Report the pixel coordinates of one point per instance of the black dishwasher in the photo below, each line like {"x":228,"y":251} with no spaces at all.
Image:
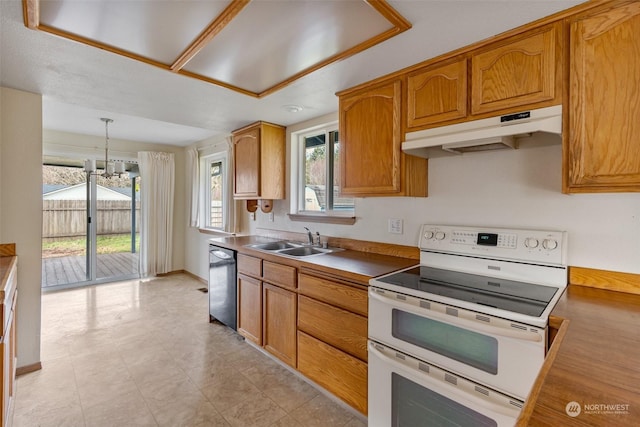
{"x":222,"y":286}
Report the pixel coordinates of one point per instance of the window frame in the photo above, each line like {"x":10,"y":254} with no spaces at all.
{"x":205,"y":192}
{"x":298,"y":157}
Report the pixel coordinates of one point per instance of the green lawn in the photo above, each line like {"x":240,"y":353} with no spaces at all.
{"x":107,"y":244}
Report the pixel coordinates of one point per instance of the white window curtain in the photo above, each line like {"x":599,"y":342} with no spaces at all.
{"x":193,"y":166}
{"x":157,"y":175}
{"x":231,"y":206}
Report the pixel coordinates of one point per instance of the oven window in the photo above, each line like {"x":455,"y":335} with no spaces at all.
{"x":468,"y":347}
{"x":416,"y":406}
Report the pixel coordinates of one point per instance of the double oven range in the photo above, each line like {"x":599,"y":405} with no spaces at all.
{"x":460,"y":338}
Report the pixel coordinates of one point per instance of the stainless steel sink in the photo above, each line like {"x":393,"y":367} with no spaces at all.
{"x":291,"y":249}
{"x":272,"y":246}
{"x":305,"y":251}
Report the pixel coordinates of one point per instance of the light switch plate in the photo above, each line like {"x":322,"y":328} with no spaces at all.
{"x":270,"y":216}
{"x":395,"y":226}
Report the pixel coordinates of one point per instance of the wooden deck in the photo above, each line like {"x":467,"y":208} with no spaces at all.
{"x":72,"y":269}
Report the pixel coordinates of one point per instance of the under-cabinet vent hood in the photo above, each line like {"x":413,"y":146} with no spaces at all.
{"x":482,"y":135}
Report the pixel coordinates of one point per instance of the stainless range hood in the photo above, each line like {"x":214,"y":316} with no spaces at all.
{"x":483,"y":135}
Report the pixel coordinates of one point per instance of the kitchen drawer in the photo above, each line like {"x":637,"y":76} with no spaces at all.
{"x":335,"y":326}
{"x":249,"y":265}
{"x":334,"y":293}
{"x":341,"y":374}
{"x":279,"y":274}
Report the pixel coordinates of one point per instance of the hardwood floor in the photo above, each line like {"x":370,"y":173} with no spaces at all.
{"x":72,"y":269}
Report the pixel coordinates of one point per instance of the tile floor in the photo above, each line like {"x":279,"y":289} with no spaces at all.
{"x":142,"y":353}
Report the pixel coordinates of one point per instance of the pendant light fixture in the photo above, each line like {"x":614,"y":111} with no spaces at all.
{"x":111,"y":167}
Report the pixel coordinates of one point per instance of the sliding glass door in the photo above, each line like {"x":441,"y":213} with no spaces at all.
{"x":90,"y":225}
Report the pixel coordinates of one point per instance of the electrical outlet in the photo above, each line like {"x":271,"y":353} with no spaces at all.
{"x":395,"y":226}
{"x":270,"y":216}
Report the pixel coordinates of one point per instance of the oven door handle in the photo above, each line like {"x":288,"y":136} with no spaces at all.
{"x":457,"y":321}
{"x":494,"y":404}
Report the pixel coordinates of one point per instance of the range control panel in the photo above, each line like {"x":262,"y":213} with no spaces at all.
{"x":515,"y":244}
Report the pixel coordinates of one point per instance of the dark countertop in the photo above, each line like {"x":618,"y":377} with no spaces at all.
{"x":352,"y":265}
{"x":594,"y":363}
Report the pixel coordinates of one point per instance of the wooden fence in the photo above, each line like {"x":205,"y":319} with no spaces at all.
{"x":68,"y":218}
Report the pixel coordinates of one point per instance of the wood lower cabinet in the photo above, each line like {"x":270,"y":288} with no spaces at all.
{"x":371,"y":159}
{"x":518,"y":72}
{"x":279,"y":308}
{"x":250,"y":308}
{"x":342,"y":295}
{"x":602,"y":150}
{"x":332,"y":336}
{"x":9,"y":295}
{"x":267,"y":306}
{"x":340,"y":373}
{"x":340,"y":328}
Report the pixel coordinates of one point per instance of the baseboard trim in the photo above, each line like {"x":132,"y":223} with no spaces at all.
{"x":21,"y":370}
{"x":188,"y":273}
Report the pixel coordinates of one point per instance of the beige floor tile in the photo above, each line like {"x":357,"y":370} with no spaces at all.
{"x":126,"y":409}
{"x":181,"y":414}
{"x":230,"y":391}
{"x":286,"y":421}
{"x":143,"y":353}
{"x":63,"y":415}
{"x":289,"y":392}
{"x":94,"y":393}
{"x":257,"y":412}
{"x":321,"y":412}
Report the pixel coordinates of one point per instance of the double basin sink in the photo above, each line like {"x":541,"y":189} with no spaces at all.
{"x":292,"y":249}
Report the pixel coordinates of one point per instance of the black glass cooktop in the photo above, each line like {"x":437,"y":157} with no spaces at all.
{"x":518,"y":297}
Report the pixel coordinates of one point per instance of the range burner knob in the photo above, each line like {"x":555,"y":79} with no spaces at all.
{"x":549,"y":244}
{"x":531,"y":242}
{"x":428,"y":235}
{"x":439,"y":235}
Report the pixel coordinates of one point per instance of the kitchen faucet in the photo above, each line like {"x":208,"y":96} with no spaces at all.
{"x":310,"y":236}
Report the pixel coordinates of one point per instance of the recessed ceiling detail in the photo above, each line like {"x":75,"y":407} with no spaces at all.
{"x":252,"y":47}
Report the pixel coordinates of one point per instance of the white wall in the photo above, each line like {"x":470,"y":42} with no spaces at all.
{"x":87,"y":146}
{"x":21,"y":208}
{"x":516,"y":188}
{"x":197,"y":243}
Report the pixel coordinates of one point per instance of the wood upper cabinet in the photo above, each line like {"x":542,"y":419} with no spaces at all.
{"x":437,"y":93}
{"x":602,"y":150}
{"x":279,"y":323}
{"x":259,"y":162}
{"x":371,"y":159}
{"x":519,"y":71}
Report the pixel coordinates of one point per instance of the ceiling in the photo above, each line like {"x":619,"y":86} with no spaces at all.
{"x":233,"y":79}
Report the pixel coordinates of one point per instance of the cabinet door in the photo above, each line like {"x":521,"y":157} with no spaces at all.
{"x":520,"y":73}
{"x":371,"y":137}
{"x":603,"y":150}
{"x":250,"y":308}
{"x":247,"y":163}
{"x":437,"y":94}
{"x":341,"y":374}
{"x":279,"y":320}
